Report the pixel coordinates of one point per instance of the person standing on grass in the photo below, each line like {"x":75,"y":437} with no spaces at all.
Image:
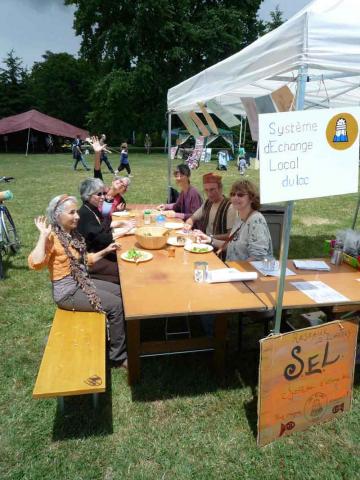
{"x":147,"y":143}
{"x":104,"y":157}
{"x":77,"y":154}
{"x":124,"y":160}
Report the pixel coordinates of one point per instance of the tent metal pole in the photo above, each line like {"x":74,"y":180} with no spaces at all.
{"x":356,"y":213}
{"x":245,"y":121}
{"x":169,"y":155}
{"x":241,"y":128}
{"x":285,"y":239}
{"x":27,"y":143}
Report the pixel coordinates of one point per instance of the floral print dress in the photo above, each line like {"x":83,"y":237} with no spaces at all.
{"x":252,"y":240}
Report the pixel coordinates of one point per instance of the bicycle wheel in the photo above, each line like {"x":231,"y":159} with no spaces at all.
{"x":10,"y":238}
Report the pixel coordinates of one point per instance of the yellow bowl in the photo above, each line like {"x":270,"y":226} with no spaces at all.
{"x":152,"y":238}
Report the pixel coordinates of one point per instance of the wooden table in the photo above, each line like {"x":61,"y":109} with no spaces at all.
{"x":341,"y":278}
{"x":163,"y":287}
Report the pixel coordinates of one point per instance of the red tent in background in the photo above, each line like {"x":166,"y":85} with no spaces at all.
{"x":40,"y":122}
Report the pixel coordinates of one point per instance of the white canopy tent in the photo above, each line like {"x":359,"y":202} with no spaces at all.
{"x":316,"y":54}
{"x":324,"y":36}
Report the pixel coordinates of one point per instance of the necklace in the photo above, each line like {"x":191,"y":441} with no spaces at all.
{"x":92,"y":211}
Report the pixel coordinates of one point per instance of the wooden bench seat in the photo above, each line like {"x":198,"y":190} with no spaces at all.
{"x":74,"y":358}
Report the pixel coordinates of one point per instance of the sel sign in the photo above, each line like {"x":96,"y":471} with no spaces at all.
{"x":308,"y":154}
{"x":306,"y":377}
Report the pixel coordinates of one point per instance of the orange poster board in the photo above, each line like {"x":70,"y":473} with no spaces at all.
{"x":306,"y":377}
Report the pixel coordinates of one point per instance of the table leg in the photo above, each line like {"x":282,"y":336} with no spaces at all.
{"x":220,"y":342}
{"x":133,"y":349}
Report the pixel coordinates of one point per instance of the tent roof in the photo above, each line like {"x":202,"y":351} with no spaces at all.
{"x":41,"y":122}
{"x":324,"y":36}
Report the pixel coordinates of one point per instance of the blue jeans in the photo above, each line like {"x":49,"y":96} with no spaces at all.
{"x":80,"y":158}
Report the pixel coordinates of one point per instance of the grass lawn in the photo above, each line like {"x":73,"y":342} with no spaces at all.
{"x":179,"y":423}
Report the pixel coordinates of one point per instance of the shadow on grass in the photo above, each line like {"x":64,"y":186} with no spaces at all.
{"x":179,"y":375}
{"x":246,"y":372}
{"x":80,"y":419}
{"x":9,"y":265}
{"x":172,"y":376}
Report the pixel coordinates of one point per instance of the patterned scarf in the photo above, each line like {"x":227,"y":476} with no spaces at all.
{"x":78,"y":267}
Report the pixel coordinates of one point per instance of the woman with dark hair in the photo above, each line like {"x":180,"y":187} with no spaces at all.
{"x":189,"y":199}
{"x":63,"y":250}
{"x":96,"y":229}
{"x":249,"y":238}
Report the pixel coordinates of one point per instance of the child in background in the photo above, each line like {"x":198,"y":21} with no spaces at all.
{"x":124,"y":160}
{"x":242,"y":165}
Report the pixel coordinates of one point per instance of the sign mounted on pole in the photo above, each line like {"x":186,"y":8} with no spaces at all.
{"x":308,"y":154}
{"x":306,"y":377}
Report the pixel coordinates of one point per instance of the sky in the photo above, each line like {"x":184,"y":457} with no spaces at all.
{"x":30,"y":27}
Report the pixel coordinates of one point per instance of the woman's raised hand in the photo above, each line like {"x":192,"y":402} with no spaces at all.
{"x":96,"y":144}
{"x":42,"y":225}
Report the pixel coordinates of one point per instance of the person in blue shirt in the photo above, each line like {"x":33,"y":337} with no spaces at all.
{"x":124,"y":160}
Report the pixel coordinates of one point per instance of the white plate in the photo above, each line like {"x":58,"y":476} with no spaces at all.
{"x":173,"y":225}
{"x":173,"y":241}
{"x":209,"y":248}
{"x":124,"y":213}
{"x":130,"y":232}
{"x":145,"y":256}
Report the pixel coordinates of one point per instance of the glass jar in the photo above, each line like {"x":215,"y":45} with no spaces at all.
{"x":147,"y":217}
{"x":200,"y":271}
{"x":337,"y":255}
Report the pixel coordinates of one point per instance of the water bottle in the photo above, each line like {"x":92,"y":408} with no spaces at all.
{"x":160,"y":220}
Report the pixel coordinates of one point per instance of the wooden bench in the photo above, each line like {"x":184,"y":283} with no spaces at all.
{"x":74,"y":358}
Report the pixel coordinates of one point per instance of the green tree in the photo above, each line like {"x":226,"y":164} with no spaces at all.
{"x":276,"y":19}
{"x":14,"y":88}
{"x":145,"y":47}
{"x":61,"y":85}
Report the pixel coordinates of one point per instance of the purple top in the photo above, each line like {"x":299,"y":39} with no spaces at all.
{"x":187,"y":203}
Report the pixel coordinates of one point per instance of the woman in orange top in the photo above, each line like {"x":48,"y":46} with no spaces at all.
{"x":63,"y":250}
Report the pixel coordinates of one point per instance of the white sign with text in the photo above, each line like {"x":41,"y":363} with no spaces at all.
{"x":308,"y":154}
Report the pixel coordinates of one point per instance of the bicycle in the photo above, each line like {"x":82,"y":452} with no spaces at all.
{"x":9,"y":239}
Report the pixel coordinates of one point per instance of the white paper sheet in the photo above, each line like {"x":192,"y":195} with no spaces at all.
{"x":229,"y":275}
{"x":320,"y":292}
{"x":258,"y":264}
{"x":311,"y":265}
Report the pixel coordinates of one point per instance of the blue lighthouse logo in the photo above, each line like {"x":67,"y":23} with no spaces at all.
{"x":341,"y":131}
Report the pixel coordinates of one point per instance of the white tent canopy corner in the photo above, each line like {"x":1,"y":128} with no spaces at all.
{"x":324,"y":36}
{"x":318,"y":47}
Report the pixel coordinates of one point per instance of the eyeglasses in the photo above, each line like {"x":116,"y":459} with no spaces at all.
{"x":237,"y":194}
{"x":100,"y":194}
